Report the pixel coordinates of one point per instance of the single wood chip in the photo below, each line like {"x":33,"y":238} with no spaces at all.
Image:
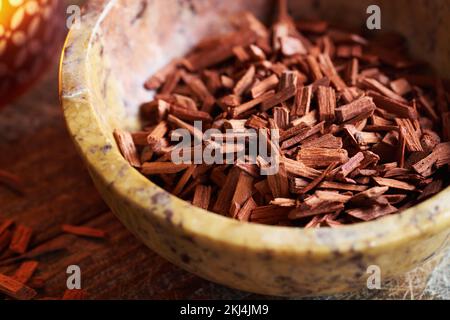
{"x":393,"y":106}
{"x":5,"y":225}
{"x":401,"y":86}
{"x":245,"y":82}
{"x":314,"y":67}
{"x":155,"y":111}
{"x":218,"y":49}
{"x":332,"y":196}
{"x":297,"y":168}
{"x":299,"y":134}
{"x":342,"y":186}
{"x":202,"y":196}
{"x":284,"y":202}
{"x":326,"y":98}
{"x":200,"y":90}
{"x":267,"y":84}
{"x":306,"y":210}
{"x":302,"y":101}
{"x":269,"y":214}
{"x":392,"y":183}
{"x":373,"y":212}
{"x":373,"y":84}
{"x":438,"y":158}
{"x":21,"y":239}
{"x":153,"y":168}
{"x":127,"y":147}
{"x":366,"y":196}
{"x":246,"y":210}
{"x":84,"y":231}
{"x":328,"y":141}
{"x":354,"y":109}
{"x":278,"y":183}
{"x":431,"y":189}
{"x":25,"y":271}
{"x":15,"y":289}
{"x":190,"y":115}
{"x":243,"y":191}
{"x":184,"y":180}
{"x":352,"y":164}
{"x":411,"y":135}
{"x":279,"y":97}
{"x":223,"y":202}
{"x":321,"y":157}
{"x":318,"y":180}
{"x":238,"y":110}
{"x":281,"y":117}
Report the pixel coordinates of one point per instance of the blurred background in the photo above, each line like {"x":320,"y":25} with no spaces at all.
{"x":43,"y":184}
{"x":31,"y":35}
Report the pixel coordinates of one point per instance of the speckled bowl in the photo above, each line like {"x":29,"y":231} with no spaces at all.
{"x":122,"y":42}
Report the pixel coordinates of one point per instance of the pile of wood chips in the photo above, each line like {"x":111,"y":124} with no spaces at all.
{"x":23,"y":283}
{"x":363,"y":131}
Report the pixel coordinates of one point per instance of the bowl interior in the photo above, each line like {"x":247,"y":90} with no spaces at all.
{"x":140,"y":37}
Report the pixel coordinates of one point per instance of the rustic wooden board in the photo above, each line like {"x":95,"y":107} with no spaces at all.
{"x":35,"y":145}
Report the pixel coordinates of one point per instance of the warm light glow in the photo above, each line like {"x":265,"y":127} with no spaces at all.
{"x":6,"y":12}
{"x":30,"y":31}
{"x":14,"y":9}
{"x":14,"y":14}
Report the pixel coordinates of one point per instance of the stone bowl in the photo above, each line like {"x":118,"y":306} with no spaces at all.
{"x":120,"y":43}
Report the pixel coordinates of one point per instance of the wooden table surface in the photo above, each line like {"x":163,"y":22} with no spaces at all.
{"x":35,"y":145}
